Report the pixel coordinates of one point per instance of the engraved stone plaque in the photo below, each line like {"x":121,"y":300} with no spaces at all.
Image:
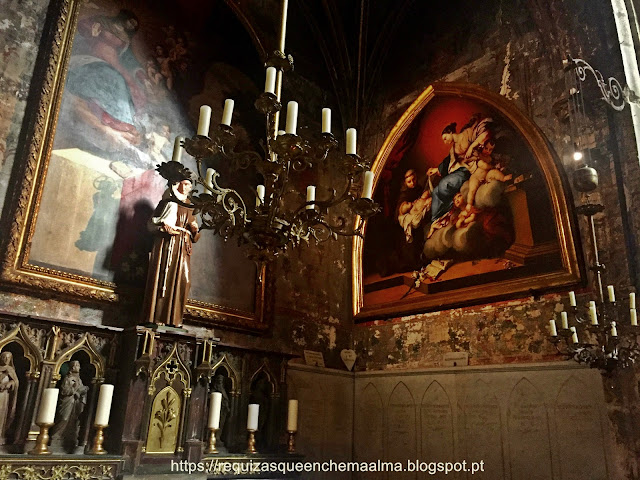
{"x":401,"y":441}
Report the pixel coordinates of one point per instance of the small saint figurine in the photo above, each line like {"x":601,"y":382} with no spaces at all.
{"x":225,"y":407}
{"x":71,"y":402}
{"x":175,"y":229}
{"x":8,"y":393}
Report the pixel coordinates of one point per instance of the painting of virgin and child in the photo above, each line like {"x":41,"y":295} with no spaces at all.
{"x":464,"y":202}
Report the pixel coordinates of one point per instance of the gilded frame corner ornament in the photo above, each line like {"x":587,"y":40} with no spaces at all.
{"x":42,"y":115}
{"x":572,"y":270}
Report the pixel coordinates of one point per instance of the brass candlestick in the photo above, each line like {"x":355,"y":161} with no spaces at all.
{"x":211,"y":445}
{"x":291,"y":444}
{"x":251,"y":443}
{"x":98,"y":440}
{"x":42,"y":442}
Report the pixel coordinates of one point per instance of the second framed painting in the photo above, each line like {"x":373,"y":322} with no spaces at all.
{"x":475,"y":209}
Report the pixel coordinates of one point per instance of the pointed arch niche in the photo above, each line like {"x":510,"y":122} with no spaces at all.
{"x":518,"y":233}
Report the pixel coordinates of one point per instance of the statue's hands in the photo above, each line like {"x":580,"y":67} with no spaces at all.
{"x":168,"y":229}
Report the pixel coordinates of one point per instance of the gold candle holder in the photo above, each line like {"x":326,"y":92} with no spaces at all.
{"x":42,"y":442}
{"x":98,"y":440}
{"x":211,"y":445}
{"x":291,"y":444}
{"x":251,"y":443}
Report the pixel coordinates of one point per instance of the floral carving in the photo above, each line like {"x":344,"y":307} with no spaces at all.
{"x":165,"y":416}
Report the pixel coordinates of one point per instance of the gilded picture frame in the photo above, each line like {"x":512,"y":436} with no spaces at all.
{"x":395,"y":286}
{"x":30,"y":176}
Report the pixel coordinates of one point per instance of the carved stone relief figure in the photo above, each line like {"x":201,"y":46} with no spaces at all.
{"x":8,"y":393}
{"x":71,"y":403}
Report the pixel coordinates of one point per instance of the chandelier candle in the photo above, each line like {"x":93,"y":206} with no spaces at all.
{"x":326,"y":120}
{"x":351,"y":141}
{"x":204,"y":120}
{"x":634,"y":317}
{"x":612,"y":293}
{"x":574,"y":335}
{"x":270,"y":81}
{"x":632,"y":300}
{"x":593,"y":313}
{"x":209,"y":180}
{"x":104,"y":405}
{"x":227,"y":113}
{"x":552,"y":328}
{"x":564,"y":319}
{"x":260,"y":191}
{"x":572,"y":299}
{"x":367,"y":188}
{"x":311,"y":196}
{"x":177,"y":149}
{"x":292,"y":117}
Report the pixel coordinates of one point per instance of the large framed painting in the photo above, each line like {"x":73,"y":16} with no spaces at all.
{"x":475,"y":209}
{"x":122,"y":79}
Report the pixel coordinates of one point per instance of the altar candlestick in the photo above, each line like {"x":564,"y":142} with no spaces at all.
{"x":47,"y":411}
{"x":104,"y":405}
{"x":215,"y":405}
{"x":205,"y":119}
{"x":292,"y":417}
{"x":252,"y":417}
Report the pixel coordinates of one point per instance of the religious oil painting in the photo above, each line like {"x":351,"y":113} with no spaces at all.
{"x":132,"y":76}
{"x":473,"y":208}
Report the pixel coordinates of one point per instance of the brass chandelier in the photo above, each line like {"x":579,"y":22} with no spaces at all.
{"x":268,"y":224}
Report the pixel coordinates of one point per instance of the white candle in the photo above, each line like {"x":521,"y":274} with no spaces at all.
{"x":634,"y":317}
{"x":281,"y":132}
{"x":564,"y":319}
{"x":572,"y":299}
{"x":292,"y":416}
{"x":574,"y":335}
{"x":215,"y":404}
{"x":326,"y":120}
{"x":632,"y":300}
{"x":552,"y":328}
{"x":612,"y":293}
{"x":367,"y":188}
{"x":104,"y":405}
{"x":48,"y":402}
{"x":252,"y":418}
{"x":205,"y":119}
{"x":260,"y":191}
{"x":593,"y":313}
{"x":614,"y":330}
{"x":270,"y":81}
{"x":209,"y":180}
{"x":177,"y":149}
{"x":351,"y":141}
{"x":227,"y":113}
{"x":311,"y":196}
{"x":292,"y":118}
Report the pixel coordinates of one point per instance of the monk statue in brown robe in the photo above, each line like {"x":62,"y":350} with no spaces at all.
{"x":175,"y":229}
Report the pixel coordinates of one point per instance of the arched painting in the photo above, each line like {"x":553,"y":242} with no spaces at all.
{"x":474,"y":208}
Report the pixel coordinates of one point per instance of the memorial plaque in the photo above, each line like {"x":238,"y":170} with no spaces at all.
{"x":528,"y":426}
{"x":580,"y":434}
{"x":483,"y":431}
{"x":436,"y":418}
{"x":368,"y":441}
{"x":401,"y":428}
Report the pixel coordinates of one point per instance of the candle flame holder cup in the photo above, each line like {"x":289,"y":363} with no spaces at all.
{"x":211,"y":444}
{"x":42,"y":442}
{"x":267,"y":103}
{"x":251,"y":442}
{"x":291,"y":443}
{"x":98,"y":441}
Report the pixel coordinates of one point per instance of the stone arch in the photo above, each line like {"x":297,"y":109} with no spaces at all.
{"x":85,"y":344}
{"x":436,"y":423}
{"x":231,"y":373}
{"x":30,"y":350}
{"x":271,"y":378}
